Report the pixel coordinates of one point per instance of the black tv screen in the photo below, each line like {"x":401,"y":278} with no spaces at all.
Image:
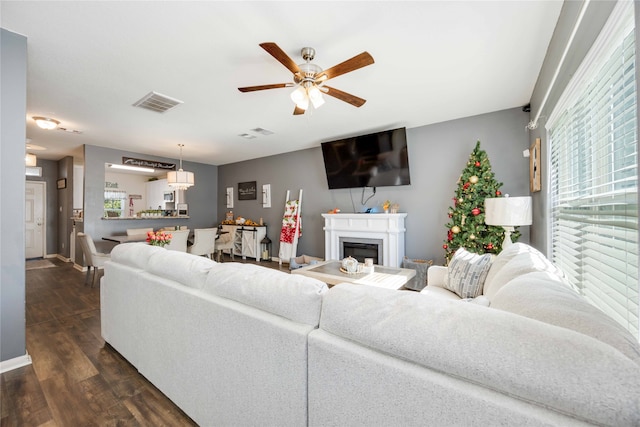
{"x":375,"y":160}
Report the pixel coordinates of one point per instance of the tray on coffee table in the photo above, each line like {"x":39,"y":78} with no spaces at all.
{"x":383,"y":277}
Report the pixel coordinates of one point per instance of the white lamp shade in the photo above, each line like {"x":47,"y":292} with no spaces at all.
{"x":30,"y":160}
{"x":508,"y":211}
{"x":299,"y":96}
{"x":180,"y":179}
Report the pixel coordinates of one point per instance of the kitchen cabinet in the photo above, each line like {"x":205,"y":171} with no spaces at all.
{"x":246,"y":239}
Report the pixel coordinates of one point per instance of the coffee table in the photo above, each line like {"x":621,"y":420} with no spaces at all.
{"x":382,"y":277}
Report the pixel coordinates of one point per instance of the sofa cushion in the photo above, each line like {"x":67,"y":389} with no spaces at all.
{"x":467,"y":272}
{"x":551,"y":366}
{"x":545,"y":297}
{"x":439,"y":292}
{"x":291,"y":296}
{"x":134,"y":255}
{"x":514,"y":261}
{"x":187,"y":269}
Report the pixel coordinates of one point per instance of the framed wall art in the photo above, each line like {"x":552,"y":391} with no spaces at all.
{"x":61,"y":183}
{"x":535,"y":176}
{"x":247,"y":190}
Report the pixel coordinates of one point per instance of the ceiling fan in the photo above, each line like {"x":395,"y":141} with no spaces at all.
{"x":309,"y":78}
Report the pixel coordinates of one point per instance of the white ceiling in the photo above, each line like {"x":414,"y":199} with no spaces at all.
{"x":88,"y":62}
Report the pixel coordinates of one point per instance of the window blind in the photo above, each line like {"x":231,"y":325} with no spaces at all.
{"x":594,"y":175}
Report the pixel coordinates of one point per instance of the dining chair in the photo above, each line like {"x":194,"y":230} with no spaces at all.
{"x":92,"y":257}
{"x":203,"y":242}
{"x":178,"y":241}
{"x":224,"y":242}
{"x":136,"y":231}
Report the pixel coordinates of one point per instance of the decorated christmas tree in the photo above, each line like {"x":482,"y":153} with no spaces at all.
{"x":466,"y":227}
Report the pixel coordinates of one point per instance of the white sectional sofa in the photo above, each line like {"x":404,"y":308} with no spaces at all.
{"x":237,"y":344}
{"x":226,"y":342}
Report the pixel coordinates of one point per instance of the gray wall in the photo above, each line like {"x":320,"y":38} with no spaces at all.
{"x":13,"y":81}
{"x":201,"y":197}
{"x":437,"y":155}
{"x":595,"y":17}
{"x":64,"y":205}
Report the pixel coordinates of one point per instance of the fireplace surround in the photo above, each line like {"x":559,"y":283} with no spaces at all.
{"x":385,"y":230}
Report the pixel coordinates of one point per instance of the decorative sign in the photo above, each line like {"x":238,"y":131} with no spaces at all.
{"x":108,"y":184}
{"x":247,"y":190}
{"x":148,"y":163}
{"x":535,"y":175}
{"x":135,"y":196}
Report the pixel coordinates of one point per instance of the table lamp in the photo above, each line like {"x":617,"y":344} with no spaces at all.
{"x":507,"y":212}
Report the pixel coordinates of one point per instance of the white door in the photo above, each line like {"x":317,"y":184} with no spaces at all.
{"x":35,"y":219}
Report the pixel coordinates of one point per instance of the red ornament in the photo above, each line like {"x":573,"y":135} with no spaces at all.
{"x":450,"y":235}
{"x":466,"y":185}
{"x":475,"y":211}
{"x":490,"y":246}
{"x":445,"y":246}
{"x":498,"y":193}
{"x":477,"y":164}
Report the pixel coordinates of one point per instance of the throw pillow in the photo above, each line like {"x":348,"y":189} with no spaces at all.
{"x":467,"y":272}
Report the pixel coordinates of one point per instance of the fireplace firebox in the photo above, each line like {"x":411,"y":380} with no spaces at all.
{"x":360,"y":249}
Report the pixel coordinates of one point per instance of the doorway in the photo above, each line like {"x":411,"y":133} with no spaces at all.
{"x":35,"y":219}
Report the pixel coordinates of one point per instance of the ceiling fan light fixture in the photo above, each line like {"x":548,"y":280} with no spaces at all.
{"x":299,"y":97}
{"x":46,"y":122}
{"x":315,"y":95}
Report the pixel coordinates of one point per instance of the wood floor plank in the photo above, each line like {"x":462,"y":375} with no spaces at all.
{"x":38,"y":313}
{"x":76,"y":363}
{"x":45,"y":362}
{"x":117,"y":416}
{"x":25,"y":392}
{"x":67,"y":403}
{"x":151,"y":411}
{"x":83,"y":336}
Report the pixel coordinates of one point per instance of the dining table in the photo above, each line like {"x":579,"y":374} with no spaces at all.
{"x":123,"y":238}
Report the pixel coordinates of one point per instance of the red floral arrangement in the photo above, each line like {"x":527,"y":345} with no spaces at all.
{"x":158,"y":238}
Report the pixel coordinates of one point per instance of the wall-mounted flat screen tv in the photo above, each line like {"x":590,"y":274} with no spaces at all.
{"x":375,"y":160}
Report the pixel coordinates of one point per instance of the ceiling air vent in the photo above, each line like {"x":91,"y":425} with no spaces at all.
{"x":262,"y":131}
{"x":157,"y":102}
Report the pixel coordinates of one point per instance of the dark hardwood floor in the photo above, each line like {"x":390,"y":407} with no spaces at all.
{"x":75,"y":378}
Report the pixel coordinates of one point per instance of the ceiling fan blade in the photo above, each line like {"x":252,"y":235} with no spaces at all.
{"x":275,"y":51}
{"x":344,"y":96}
{"x":264,"y":87}
{"x":358,"y":61}
{"x":297,"y":111}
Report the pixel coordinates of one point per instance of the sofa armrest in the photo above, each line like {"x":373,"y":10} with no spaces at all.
{"x":436,"y":275}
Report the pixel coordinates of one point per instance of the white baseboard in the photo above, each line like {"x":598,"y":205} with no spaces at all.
{"x":15,"y":363}
{"x":79,"y":267}
{"x":60,"y":257}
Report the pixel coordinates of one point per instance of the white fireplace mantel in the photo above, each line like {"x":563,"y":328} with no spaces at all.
{"x":387,"y":227}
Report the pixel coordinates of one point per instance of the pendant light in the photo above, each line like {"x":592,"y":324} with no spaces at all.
{"x":180,"y":179}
